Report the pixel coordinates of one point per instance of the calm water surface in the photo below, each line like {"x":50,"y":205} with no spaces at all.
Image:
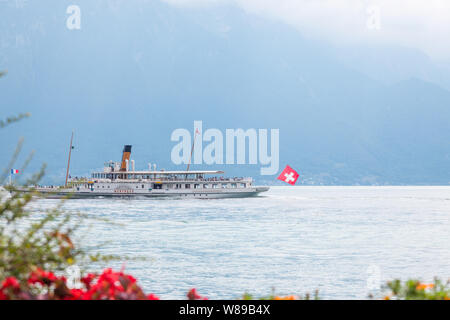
{"x":338,"y":240}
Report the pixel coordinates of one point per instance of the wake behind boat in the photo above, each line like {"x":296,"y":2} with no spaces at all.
{"x":120,"y":179}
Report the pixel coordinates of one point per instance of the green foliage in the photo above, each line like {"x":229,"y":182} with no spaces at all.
{"x":415,"y":290}
{"x":31,"y":239}
{"x":8,"y":121}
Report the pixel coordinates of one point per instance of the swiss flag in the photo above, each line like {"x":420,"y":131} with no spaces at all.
{"x":288,"y":175}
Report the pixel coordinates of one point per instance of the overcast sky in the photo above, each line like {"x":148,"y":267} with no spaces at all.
{"x":421,"y":24}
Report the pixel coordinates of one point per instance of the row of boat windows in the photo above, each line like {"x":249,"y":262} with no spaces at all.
{"x":116,"y":175}
{"x":133,"y":176}
{"x":181,"y":186}
{"x":208,"y":186}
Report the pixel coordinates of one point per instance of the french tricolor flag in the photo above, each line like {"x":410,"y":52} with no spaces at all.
{"x":14,"y":171}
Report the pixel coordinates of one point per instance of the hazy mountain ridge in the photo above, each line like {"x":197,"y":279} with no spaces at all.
{"x":134,"y":75}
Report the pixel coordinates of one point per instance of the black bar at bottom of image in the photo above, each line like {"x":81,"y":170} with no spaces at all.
{"x":225,"y":309}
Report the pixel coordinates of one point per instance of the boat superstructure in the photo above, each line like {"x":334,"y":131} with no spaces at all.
{"x":120,"y":179}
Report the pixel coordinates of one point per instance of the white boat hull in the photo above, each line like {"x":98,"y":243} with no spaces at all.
{"x":154,"y":194}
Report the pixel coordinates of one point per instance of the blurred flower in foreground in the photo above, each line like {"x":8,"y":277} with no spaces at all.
{"x":44,"y":285}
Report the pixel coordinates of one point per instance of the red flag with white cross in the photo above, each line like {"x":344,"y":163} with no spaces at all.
{"x":288,"y":175}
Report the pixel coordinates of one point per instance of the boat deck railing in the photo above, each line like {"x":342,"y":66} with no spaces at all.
{"x":163,"y":179}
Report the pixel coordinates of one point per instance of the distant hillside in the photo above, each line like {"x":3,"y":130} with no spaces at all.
{"x":133,"y":74}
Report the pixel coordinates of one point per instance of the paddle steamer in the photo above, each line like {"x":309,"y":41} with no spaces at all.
{"x":120,"y":179}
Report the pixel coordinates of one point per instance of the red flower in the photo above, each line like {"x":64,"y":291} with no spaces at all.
{"x":10,"y":282}
{"x":131,"y":279}
{"x":87,"y":280}
{"x":193,"y":295}
{"x":43,"y":277}
{"x":75,"y":294}
{"x":10,"y":288}
{"x":109,"y":285}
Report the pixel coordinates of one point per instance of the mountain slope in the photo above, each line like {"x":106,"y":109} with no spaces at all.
{"x":134,"y":73}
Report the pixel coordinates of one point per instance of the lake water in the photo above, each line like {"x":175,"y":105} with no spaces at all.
{"x":343,"y":241}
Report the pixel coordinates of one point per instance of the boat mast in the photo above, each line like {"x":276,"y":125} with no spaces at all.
{"x":68,"y":162}
{"x":192,"y":149}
